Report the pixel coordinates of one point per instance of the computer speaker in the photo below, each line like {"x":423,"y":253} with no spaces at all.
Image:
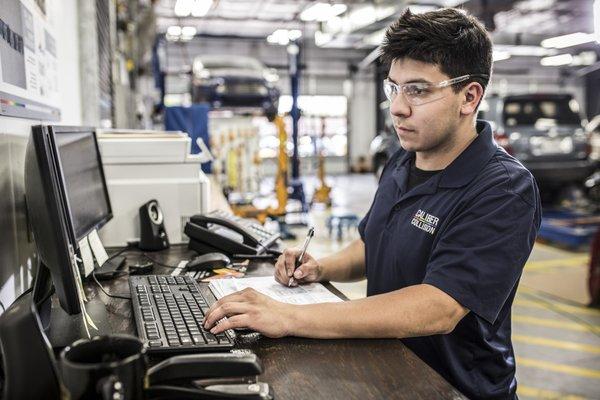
{"x":153,"y":235}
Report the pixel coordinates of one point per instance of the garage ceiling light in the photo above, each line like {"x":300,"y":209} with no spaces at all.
{"x":322,"y":11}
{"x":375,"y":38}
{"x":283,"y":36}
{"x":294,"y":34}
{"x":572,"y":39}
{"x":197,"y":8}
{"x":555,"y":61}
{"x":188,"y":31}
{"x":362,"y":17}
{"x":499,"y":55}
{"x":527,"y":51}
{"x":174,"y":30}
{"x":453,"y":3}
{"x":322,"y":38}
{"x":201,"y":7}
{"x":183,"y":8}
{"x":421,"y":9}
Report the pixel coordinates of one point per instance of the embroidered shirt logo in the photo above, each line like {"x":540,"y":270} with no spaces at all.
{"x":425,"y":221}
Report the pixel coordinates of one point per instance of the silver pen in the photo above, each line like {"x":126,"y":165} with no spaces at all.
{"x":309,"y":235}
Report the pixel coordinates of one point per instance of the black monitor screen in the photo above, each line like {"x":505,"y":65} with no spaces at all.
{"x":86,"y":191}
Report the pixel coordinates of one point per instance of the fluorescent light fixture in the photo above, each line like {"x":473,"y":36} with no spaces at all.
{"x":584,"y":58}
{"x":188,"y":31}
{"x":321,"y":38}
{"x":183,"y":8}
{"x":527,"y":51}
{"x":294,"y":34}
{"x":420,"y":9}
{"x":572,"y":39}
{"x":284,"y":36}
{"x":597,"y":20}
{"x":201,"y":7}
{"x":375,"y":38}
{"x":174,"y":30}
{"x":498,"y":55}
{"x":337,"y":9}
{"x":280,"y":37}
{"x":362,"y":17}
{"x":314,"y":11}
{"x":453,"y":3}
{"x":334,"y":24}
{"x":556,"y":61}
{"x":384,"y":12}
{"x":322,"y":11}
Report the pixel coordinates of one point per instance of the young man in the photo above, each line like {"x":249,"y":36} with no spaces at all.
{"x":451,"y":226}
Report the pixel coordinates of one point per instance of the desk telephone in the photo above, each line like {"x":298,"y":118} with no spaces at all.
{"x":219,"y":231}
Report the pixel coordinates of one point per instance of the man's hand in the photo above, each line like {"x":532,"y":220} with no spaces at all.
{"x":253,"y":310}
{"x":309,"y":270}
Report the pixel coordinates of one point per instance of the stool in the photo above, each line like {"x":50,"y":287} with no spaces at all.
{"x":341,"y":221}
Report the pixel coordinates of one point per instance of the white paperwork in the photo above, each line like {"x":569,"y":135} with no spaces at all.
{"x":303,"y":294}
{"x":86,"y":256}
{"x":97,"y":248}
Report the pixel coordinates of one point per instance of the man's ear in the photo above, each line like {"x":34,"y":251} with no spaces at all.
{"x":472,"y":94}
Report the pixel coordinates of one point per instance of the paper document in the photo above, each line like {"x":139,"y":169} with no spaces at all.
{"x":302,"y":294}
{"x":86,"y":256}
{"x":97,"y":248}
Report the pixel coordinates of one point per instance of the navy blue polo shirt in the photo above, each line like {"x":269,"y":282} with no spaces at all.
{"x":468,"y":231}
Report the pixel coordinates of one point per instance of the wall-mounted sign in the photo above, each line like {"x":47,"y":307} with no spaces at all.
{"x":28,"y":61}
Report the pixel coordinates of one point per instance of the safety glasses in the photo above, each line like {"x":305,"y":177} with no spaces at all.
{"x":419,"y":93}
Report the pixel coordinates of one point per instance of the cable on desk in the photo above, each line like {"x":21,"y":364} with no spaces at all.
{"x":155,"y":261}
{"x":116,"y":296}
{"x":130,"y":246}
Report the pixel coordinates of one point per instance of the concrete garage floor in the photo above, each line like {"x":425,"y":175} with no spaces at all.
{"x":556,"y":337}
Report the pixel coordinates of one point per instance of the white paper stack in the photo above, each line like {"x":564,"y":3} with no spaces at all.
{"x":302,"y":294}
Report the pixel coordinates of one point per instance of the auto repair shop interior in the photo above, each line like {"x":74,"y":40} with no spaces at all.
{"x":300,"y":199}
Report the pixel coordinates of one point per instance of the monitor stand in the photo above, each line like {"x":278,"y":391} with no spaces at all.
{"x":64,"y":329}
{"x":61,"y":328}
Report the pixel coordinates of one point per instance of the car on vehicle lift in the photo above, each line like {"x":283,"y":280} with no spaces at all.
{"x":224,"y":81}
{"x":544,"y":131}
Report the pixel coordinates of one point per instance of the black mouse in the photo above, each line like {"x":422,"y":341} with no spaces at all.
{"x":207,"y":262}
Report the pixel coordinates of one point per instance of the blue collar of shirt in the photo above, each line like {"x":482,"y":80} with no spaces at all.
{"x":469,"y":163}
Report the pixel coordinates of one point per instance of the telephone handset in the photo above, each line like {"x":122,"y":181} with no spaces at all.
{"x":226,"y":233}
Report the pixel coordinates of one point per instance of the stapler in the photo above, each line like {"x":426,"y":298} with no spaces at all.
{"x":214,"y":376}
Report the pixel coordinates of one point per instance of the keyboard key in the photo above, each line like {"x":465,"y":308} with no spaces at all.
{"x":186,"y":341}
{"x":198,"y":339}
{"x":155,"y":343}
{"x":210,"y":338}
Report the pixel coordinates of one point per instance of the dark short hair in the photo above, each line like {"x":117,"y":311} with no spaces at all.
{"x":455,"y":41}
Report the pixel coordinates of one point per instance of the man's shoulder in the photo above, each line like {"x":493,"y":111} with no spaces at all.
{"x":505,"y":173}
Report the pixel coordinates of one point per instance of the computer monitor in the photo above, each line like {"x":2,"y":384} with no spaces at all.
{"x":67,"y":198}
{"x":87,"y":201}
{"x":46,"y":213}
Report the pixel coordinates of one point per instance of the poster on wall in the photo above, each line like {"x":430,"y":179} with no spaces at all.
{"x":28,"y":61}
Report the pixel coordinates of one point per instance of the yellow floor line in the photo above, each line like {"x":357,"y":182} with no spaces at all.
{"x":558,"y":306}
{"x":561,"y":368}
{"x":557,"y":344}
{"x":553,"y":323}
{"x":575,"y":261}
{"x":545,"y":394}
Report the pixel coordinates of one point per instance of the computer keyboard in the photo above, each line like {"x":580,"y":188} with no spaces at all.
{"x":169,"y":313}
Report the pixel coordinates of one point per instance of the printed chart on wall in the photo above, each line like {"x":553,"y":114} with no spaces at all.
{"x":28,"y":61}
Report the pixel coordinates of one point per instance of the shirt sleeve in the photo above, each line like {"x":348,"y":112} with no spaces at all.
{"x":479,"y":258}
